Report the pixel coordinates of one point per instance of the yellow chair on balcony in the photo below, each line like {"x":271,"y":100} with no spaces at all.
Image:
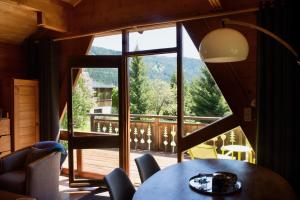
{"x":203,"y":151}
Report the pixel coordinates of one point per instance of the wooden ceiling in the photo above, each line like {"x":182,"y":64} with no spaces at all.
{"x":15,"y":23}
{"x":21,"y":18}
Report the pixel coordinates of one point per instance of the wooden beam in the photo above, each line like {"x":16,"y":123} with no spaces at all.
{"x":50,"y":14}
{"x":124,"y":110}
{"x":180,"y":89}
{"x":102,"y":16}
{"x":72,"y":2}
{"x":110,"y":61}
{"x":212,"y":130}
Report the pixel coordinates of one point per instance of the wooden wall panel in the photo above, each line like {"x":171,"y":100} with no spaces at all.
{"x":12,"y":61}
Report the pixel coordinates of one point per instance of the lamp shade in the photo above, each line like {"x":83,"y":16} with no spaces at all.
{"x":224,"y":45}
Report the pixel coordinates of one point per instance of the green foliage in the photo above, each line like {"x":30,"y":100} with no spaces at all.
{"x":139,"y":95}
{"x":173,"y":81}
{"x":206,"y":97}
{"x":107,"y":76}
{"x":115,"y":100}
{"x":188,"y":101}
{"x":83,"y":102}
{"x":187,"y":94}
{"x":163,"y":98}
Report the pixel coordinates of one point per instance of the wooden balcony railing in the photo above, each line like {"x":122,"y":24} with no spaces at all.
{"x":158,"y":133}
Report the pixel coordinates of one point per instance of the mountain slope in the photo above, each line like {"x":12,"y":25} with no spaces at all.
{"x":157,"y":67}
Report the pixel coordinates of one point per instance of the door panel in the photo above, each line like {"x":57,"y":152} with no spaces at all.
{"x":98,"y":145}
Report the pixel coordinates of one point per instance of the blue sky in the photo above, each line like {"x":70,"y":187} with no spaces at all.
{"x":152,"y":39}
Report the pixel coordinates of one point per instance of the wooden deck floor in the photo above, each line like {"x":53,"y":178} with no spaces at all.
{"x":103,"y":161}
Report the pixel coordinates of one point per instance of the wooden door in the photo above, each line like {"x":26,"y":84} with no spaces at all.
{"x":83,"y":142}
{"x":26,"y":113}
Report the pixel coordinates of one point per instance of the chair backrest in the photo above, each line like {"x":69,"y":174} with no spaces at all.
{"x":203,"y":151}
{"x":119,"y":185}
{"x":147,"y":166}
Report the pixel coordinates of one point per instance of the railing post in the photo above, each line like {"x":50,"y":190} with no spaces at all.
{"x":156,"y":135}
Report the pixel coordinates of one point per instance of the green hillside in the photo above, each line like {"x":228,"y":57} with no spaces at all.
{"x":157,"y":67}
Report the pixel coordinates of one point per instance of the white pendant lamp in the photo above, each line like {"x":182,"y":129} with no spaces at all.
{"x":224,"y":45}
{"x":228,"y":45}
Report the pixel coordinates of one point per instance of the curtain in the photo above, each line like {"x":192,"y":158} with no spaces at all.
{"x":41,"y":61}
{"x":278,"y":88}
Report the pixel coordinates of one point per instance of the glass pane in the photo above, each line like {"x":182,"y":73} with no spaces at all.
{"x":203,"y":100}
{"x":93,"y":99}
{"x":95,"y":113}
{"x":152,"y":39}
{"x":232,"y":145}
{"x":107,"y":45}
{"x":153,"y":109}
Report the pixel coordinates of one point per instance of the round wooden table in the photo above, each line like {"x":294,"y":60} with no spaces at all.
{"x":172,"y":183}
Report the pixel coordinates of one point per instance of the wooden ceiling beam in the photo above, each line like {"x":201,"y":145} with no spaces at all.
{"x":95,"y":16}
{"x":50,"y":14}
{"x":73,"y":2}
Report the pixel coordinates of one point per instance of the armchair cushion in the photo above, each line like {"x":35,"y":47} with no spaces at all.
{"x":13,"y":181}
{"x":53,"y":146}
{"x":35,"y":154}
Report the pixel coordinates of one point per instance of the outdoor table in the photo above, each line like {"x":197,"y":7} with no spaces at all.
{"x":172,"y":183}
{"x":239,"y":149}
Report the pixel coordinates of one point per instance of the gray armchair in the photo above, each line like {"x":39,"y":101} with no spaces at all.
{"x":39,"y":179}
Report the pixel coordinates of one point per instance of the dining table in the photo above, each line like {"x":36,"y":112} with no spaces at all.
{"x":172,"y":183}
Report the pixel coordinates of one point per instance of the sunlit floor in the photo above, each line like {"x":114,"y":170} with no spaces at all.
{"x":103,"y":161}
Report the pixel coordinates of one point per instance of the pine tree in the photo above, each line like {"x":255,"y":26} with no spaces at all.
{"x":207,"y":99}
{"x":187,"y":94}
{"x":138,"y":87}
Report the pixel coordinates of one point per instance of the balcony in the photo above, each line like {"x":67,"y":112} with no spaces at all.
{"x":155,"y":134}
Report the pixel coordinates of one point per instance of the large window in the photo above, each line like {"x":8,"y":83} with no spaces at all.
{"x":154,"y":98}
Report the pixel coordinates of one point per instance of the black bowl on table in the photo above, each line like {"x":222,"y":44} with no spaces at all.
{"x":223,"y":182}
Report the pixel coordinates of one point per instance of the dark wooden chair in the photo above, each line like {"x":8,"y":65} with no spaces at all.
{"x":119,"y":185}
{"x":147,"y":166}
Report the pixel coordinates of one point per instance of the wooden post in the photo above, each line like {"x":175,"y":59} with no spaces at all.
{"x":180,"y":92}
{"x":124,"y":112}
{"x":79,"y":160}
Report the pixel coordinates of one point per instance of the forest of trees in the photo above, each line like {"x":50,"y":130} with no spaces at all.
{"x":155,"y":96}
